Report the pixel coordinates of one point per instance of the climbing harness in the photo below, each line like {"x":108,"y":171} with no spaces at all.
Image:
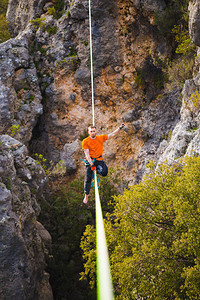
{"x":104,"y":281}
{"x":88,"y":164}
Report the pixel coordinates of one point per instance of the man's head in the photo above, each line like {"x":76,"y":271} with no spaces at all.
{"x":92,"y":131}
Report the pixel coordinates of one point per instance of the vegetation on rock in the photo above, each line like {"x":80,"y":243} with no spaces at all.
{"x":4,"y":33}
{"x":173,"y":24}
{"x":153,"y":236}
{"x":57,"y":10}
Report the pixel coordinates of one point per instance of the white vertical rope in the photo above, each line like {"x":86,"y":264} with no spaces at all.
{"x":91,"y":63}
{"x":104,"y":281}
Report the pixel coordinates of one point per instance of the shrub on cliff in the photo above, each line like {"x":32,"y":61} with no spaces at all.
{"x":153,"y":236}
{"x":3,"y":6}
{"x":57,"y":10}
{"x":179,"y":70}
{"x":4,"y":33}
{"x":176,"y":13}
{"x":173,"y":24}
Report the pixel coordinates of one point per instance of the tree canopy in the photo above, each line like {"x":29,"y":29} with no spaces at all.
{"x":153,"y":236}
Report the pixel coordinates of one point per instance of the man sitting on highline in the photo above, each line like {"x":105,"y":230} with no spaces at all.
{"x":93,"y":148}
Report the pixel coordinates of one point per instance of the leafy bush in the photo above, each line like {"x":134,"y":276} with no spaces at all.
{"x":51,"y":169}
{"x":51,"y":11}
{"x":3,"y":6}
{"x":57,"y":10}
{"x":14,"y":129}
{"x":139,"y":79}
{"x":180,"y":69}
{"x":38,"y":22}
{"x":153,"y":236}
{"x":185,"y":45}
{"x":4,"y":32}
{"x":51,"y":29}
{"x":173,"y":24}
{"x":176,"y":13}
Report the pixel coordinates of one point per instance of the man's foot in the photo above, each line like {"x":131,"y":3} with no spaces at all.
{"x":85,"y":200}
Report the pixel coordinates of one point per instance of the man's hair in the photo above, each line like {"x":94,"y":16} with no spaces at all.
{"x":91,"y":127}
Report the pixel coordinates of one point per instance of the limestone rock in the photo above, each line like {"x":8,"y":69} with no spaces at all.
{"x":19,"y":13}
{"x":185,"y":138}
{"x":22,"y":259}
{"x":194,"y":21}
{"x":67,"y":155}
{"x":59,"y":63}
{"x":79,"y":10}
{"x":157,"y":123}
{"x":132,"y":115}
{"x":20,"y":96}
{"x":151,"y":5}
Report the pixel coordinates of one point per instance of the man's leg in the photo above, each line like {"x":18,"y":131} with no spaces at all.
{"x":101,"y":167}
{"x":87,"y":185}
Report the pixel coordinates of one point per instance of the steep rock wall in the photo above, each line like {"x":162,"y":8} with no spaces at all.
{"x":20,"y":12}
{"x":45,"y":88}
{"x":125,"y":44}
{"x":185,"y":139}
{"x":20,"y":96}
{"x":23,"y":240}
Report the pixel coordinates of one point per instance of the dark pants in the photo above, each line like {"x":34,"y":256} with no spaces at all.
{"x":101,"y":169}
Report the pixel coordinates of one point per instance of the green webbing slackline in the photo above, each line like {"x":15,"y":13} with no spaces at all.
{"x":104,"y":281}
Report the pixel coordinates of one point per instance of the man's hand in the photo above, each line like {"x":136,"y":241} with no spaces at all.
{"x":115,"y":133}
{"x":93,"y":167}
{"x":122,"y":126}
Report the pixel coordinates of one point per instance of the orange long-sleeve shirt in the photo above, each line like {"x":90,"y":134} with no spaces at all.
{"x":95,"y":146}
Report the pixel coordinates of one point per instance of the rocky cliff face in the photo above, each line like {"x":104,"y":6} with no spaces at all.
{"x":45,"y":91}
{"x":49,"y":95}
{"x":185,"y":139}
{"x":23,"y":240}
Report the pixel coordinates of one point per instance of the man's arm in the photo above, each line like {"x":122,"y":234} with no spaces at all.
{"x":87,"y":155}
{"x":115,"y":133}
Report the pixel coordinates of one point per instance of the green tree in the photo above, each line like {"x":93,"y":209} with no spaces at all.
{"x":154,"y":236}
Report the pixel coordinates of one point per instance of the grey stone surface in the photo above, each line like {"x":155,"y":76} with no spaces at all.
{"x":39,"y":66}
{"x":151,"y":5}
{"x":19,"y":13}
{"x":194,"y":21}
{"x":22,"y":259}
{"x":20,"y":95}
{"x":67,"y":155}
{"x":157,"y":123}
{"x":185,"y":138}
{"x":132,"y":115}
